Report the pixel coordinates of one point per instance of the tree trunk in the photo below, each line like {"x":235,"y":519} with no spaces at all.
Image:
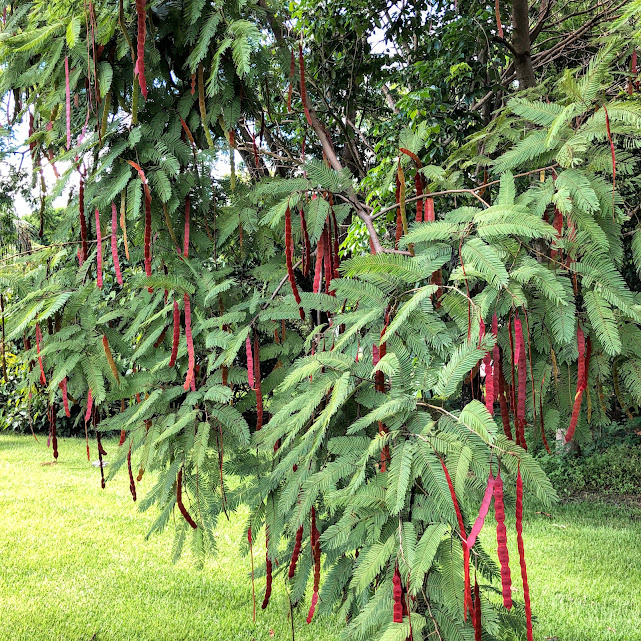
{"x":521,"y":44}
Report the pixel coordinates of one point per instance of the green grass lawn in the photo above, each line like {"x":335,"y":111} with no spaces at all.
{"x":75,"y":566}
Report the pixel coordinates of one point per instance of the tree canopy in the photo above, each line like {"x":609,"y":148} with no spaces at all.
{"x":365,"y":259}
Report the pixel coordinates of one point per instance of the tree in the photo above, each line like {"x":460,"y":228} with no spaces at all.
{"x":342,"y":360}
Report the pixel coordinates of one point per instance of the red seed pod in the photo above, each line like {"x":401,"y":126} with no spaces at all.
{"x":193,"y":83}
{"x":250,"y":362}
{"x":312,"y":608}
{"x":147,"y":232}
{"x":296,"y":553}
{"x":480,"y":519}
{"x":307,"y":258}
{"x":501,"y":539}
{"x":123,"y":437}
{"x":65,"y":401}
{"x":519,"y":541}
{"x":467,"y":605}
{"x":336,"y":262}
{"x":259,"y":393}
{"x":581,"y":378}
{"x":558,"y":226}
{"x":318,"y":268}
{"x":489,"y":383}
{"x":161,"y":338}
{"x":68,"y":103}
{"x":83,"y":222}
{"x":288,"y":259}
{"x":174,"y":345}
{"x":43,"y":378}
{"x":140,"y":62}
{"x":329,"y":259}
{"x":54,"y":438}
{"x":303,"y":88}
{"x":268,"y":585}
{"x":428,"y":214}
{"x":114,"y":243}
{"x":132,"y":484}
{"x":186,"y":235}
{"x":398,"y":596}
{"x":522,"y":380}
{"x":496,"y":364}
{"x":179,"y":500}
{"x":189,"y":381}
{"x":512,"y":388}
{"x":478,"y":626}
{"x":316,"y":555}
{"x":101,"y":450}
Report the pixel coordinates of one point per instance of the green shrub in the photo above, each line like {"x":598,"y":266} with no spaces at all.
{"x":610,"y":465}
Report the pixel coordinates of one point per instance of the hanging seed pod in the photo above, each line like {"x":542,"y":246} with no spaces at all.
{"x":398,"y":596}
{"x":202,"y":106}
{"x":176,"y":339}
{"x":140,"y":62}
{"x":83,"y":223}
{"x":467,"y":597}
{"x":519,"y":541}
{"x":110,"y":358}
{"x":480,"y":519}
{"x":54,"y":438}
{"x":259,"y":393}
{"x":318,"y":268}
{"x":250,"y":362}
{"x":268,"y":585}
{"x":307,"y":252}
{"x":296,"y":553}
{"x":328,"y":258}
{"x":123,"y":222}
{"x":43,"y":378}
{"x":132,"y":484}
{"x":520,"y":411}
{"x":581,"y":378}
{"x":478,"y":625}
{"x":65,"y":400}
{"x":114,"y":243}
{"x":501,"y":539}
{"x":288,"y":259}
{"x":147,"y":248}
{"x":189,"y":381}
{"x":496,"y":364}
{"x":179,"y":500}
